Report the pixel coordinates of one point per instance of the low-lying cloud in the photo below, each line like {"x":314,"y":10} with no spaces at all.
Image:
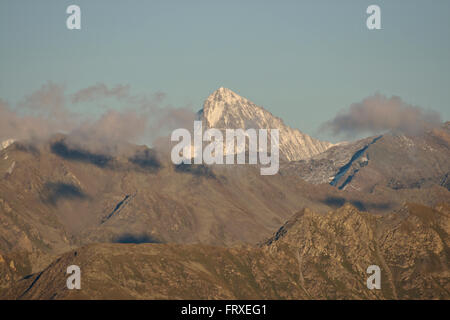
{"x":100,"y":90}
{"x":378,"y":113}
{"x":136,"y":119}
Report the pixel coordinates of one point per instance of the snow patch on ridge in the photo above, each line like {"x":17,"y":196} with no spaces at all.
{"x":5,"y":144}
{"x":11,"y":168}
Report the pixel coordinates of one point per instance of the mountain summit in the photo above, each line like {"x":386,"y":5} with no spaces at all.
{"x":225,"y":109}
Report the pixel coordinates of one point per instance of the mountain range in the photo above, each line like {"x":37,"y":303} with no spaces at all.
{"x":141,"y":227}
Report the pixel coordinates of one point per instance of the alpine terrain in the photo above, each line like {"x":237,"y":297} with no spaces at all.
{"x":140,"y":227}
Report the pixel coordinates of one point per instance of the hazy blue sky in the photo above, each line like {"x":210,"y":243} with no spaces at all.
{"x":302,"y":60}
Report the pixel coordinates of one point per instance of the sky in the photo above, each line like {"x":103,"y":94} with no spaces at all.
{"x":304,"y":61}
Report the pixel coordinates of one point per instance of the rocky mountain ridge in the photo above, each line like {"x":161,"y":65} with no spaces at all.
{"x":313,"y":256}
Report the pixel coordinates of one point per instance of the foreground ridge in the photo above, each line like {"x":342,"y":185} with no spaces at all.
{"x":313,"y":256}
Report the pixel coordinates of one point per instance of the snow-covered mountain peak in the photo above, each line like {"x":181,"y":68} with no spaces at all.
{"x":225,"y":95}
{"x":225,"y":109}
{"x":220,"y":104}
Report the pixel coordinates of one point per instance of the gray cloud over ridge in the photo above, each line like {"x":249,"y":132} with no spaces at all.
{"x":140,"y":119}
{"x":100,"y":90}
{"x":378,"y":113}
